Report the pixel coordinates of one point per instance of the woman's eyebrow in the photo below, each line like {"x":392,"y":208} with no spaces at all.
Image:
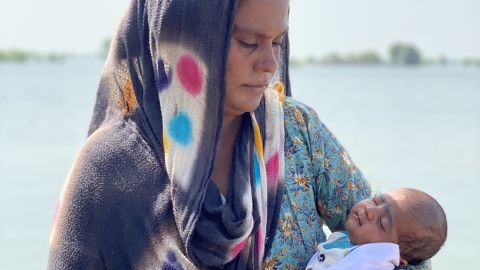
{"x":244,"y":30}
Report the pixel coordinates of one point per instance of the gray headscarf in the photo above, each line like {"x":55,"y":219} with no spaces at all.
{"x":139,"y":194}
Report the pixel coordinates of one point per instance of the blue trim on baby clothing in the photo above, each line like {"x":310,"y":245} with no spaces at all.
{"x":342,"y":242}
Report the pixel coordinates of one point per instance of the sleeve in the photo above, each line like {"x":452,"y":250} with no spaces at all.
{"x":104,"y":217}
{"x":83,"y":233}
{"x":339,"y":184}
{"x":74,"y":242}
{"x":374,"y":256}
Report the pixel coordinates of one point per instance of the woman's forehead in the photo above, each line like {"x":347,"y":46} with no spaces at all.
{"x":262,"y":17}
{"x":243,"y":3}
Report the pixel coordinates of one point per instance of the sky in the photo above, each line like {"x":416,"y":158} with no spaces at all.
{"x":317,"y":27}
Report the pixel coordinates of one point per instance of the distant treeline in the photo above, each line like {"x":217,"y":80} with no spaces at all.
{"x":399,"y":53}
{"x":16,"y":55}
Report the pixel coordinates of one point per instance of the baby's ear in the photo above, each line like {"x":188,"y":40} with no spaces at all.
{"x":403,"y":262}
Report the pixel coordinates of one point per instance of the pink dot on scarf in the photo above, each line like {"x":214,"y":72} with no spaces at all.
{"x":272,"y":169}
{"x":238,"y":248}
{"x":190,"y":74}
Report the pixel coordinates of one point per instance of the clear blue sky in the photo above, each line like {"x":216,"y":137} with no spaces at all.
{"x":450,"y":27}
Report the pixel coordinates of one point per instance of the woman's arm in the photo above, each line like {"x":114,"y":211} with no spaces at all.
{"x":339,"y":183}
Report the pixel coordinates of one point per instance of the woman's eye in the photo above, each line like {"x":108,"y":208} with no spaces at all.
{"x":374,"y":201}
{"x":277,"y":43}
{"x":247,"y":44}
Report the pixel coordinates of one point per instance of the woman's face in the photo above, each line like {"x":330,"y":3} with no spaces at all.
{"x":255,"y":46}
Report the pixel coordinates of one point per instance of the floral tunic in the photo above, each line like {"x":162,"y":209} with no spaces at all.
{"x":321,"y":186}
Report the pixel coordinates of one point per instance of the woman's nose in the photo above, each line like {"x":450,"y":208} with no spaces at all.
{"x":267,"y":61}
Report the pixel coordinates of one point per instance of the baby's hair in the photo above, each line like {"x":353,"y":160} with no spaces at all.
{"x":429,"y":228}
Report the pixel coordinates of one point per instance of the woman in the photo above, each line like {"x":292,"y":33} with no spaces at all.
{"x":193,"y":160}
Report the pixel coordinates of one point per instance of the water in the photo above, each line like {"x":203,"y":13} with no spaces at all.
{"x":44,"y":116}
{"x":412,"y":128}
{"x":415,"y":127}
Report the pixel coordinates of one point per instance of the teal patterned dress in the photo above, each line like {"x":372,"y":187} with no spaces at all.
{"x":321,"y":186}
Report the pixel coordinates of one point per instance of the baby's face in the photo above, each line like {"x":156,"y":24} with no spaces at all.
{"x":379,"y":219}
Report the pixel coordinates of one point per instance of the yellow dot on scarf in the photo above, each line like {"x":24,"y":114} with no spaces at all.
{"x":257,"y":137}
{"x":165,"y":142}
{"x":280,"y":88}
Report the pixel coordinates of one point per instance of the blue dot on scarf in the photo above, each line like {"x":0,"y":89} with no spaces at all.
{"x":180,"y":128}
{"x":171,"y":266}
{"x":171,"y":263}
{"x":256,"y":169}
{"x":171,"y":256}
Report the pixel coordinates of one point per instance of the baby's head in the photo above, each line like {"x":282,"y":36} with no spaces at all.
{"x":409,"y":217}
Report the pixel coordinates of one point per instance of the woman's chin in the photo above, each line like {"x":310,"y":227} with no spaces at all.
{"x":254,"y":103}
{"x":247,"y":106}
{"x":254,"y":106}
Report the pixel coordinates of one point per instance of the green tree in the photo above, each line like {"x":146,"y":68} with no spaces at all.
{"x":442,"y":60}
{"x":405,"y":54}
{"x":471,"y":62}
{"x":14,"y":55}
{"x":332,"y":58}
{"x":364,"y":58}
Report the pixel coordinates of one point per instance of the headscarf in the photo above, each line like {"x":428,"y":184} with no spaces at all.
{"x":165,"y":75}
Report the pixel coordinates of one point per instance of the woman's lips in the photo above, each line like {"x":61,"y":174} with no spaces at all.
{"x":256,"y":88}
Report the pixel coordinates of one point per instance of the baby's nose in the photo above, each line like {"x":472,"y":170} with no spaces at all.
{"x":371,"y":211}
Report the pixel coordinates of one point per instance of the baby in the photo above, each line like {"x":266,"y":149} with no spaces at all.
{"x":400,"y":227}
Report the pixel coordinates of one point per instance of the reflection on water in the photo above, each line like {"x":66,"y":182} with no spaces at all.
{"x":415,"y":127}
